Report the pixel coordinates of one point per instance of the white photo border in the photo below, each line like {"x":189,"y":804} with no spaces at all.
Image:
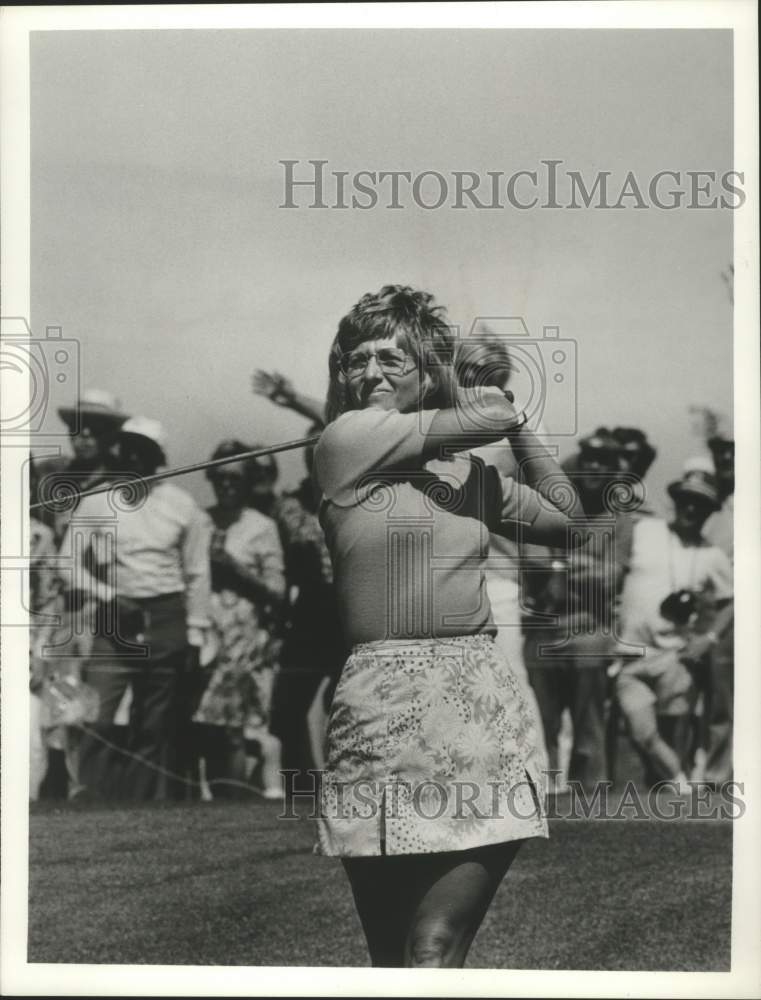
{"x":20,"y":977}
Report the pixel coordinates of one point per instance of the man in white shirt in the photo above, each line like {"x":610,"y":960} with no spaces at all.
{"x":149,"y":573}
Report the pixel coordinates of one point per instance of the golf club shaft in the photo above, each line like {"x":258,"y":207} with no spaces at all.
{"x":184,"y":470}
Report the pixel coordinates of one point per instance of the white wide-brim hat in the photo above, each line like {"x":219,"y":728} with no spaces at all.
{"x":145,"y":427}
{"x":94,"y":403}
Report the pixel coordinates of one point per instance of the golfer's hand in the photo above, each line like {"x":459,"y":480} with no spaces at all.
{"x":273,"y":386}
{"x":489,"y":407}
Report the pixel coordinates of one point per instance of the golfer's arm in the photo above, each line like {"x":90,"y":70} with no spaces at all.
{"x":553,"y":502}
{"x":538,"y":469}
{"x":459,"y":430}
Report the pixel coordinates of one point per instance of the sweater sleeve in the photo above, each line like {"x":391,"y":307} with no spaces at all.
{"x":362,"y":442}
{"x":520,"y":504}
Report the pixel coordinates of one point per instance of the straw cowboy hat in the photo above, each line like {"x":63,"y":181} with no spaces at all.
{"x":94,"y":404}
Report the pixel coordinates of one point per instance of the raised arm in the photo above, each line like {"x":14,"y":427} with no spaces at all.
{"x":281,"y":391}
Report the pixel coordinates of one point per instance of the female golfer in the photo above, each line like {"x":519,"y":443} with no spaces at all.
{"x":432,"y":779}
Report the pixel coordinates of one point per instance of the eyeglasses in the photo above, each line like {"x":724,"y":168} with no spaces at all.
{"x":389,"y":361}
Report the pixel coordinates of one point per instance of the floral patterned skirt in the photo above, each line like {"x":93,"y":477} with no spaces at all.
{"x":432,"y":746}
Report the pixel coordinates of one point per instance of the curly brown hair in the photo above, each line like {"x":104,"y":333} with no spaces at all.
{"x":422,"y":329}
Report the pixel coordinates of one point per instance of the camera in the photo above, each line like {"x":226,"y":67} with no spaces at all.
{"x":33,"y":369}
{"x":679,"y":607}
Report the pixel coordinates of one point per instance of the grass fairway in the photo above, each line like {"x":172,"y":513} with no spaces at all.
{"x":230,"y":884}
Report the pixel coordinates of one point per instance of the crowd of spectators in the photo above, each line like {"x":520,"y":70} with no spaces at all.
{"x":178,"y":652}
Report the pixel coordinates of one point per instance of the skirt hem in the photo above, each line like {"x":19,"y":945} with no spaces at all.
{"x":533,"y":835}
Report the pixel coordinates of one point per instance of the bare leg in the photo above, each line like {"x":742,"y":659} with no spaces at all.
{"x":424,"y":910}
{"x":317,"y":724}
{"x":643,"y":729}
{"x":384,"y":897}
{"x":38,"y":751}
{"x":271,"y":764}
{"x":454,"y":903}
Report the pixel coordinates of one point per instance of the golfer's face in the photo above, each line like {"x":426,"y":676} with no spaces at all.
{"x":383,"y":375}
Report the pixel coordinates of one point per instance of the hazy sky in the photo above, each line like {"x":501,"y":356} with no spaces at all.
{"x":157,"y":240}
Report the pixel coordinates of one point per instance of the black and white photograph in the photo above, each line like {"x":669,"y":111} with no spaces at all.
{"x":373,"y":378}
